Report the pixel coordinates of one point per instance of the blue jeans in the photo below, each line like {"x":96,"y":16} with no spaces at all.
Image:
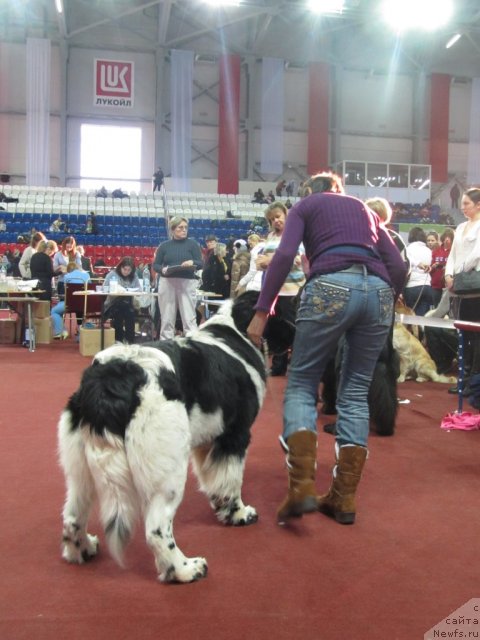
{"x":57,"y":316}
{"x":360,"y":307}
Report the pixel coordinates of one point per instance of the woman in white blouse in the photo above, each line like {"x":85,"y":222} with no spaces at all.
{"x":465,"y":256}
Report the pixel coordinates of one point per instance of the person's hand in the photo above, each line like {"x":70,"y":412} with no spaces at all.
{"x":262,"y":262}
{"x":448,"y":282}
{"x":256,"y":328}
{"x":187,"y":263}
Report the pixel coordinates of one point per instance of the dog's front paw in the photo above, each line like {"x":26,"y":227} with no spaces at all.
{"x":79,"y":549}
{"x":190,"y":570}
{"x":243,"y":517}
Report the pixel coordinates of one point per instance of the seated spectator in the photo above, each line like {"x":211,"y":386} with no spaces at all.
{"x":57,"y":225}
{"x":3,"y":226}
{"x":91,"y":226}
{"x":86,"y":262}
{"x":118,"y":193}
{"x":102,"y":193}
{"x":5,"y":198}
{"x":120,"y":308}
{"x":74,"y":275}
{"x":259,"y":197}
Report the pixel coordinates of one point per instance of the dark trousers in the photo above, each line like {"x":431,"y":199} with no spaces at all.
{"x":122,"y":314}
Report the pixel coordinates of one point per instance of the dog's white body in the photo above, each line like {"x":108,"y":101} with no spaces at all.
{"x":129,"y":431}
{"x":415,"y":361}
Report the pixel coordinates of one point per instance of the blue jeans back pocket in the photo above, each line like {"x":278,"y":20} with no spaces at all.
{"x":385,"y":300}
{"x":324,"y":301}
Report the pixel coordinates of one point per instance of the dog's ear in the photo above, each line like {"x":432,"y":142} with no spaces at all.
{"x":243,"y":309}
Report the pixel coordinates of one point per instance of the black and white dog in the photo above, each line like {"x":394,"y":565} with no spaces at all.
{"x":140,"y":413}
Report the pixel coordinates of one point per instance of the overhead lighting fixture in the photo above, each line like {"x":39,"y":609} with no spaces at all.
{"x":417,"y":14}
{"x":59,"y":6}
{"x":455,"y":38}
{"x":326,"y":6}
{"x":223,"y":3}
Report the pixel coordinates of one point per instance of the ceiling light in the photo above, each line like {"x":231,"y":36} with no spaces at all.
{"x":223,"y":3}
{"x":455,"y":38}
{"x":326,"y":6}
{"x":417,"y":14}
{"x":59,"y":6}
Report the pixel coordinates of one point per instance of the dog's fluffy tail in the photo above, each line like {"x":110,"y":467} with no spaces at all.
{"x":115,"y":489}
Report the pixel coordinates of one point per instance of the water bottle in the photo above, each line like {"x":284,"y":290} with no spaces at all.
{"x":146,"y":279}
{"x":113,"y":282}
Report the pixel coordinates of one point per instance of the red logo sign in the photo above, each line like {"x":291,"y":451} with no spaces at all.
{"x":113,"y":83}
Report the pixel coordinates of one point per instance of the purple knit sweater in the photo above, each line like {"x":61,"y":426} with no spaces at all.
{"x":326,"y":220}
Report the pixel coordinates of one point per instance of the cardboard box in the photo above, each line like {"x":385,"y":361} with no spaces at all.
{"x":7,"y":330}
{"x":43,"y":330}
{"x":90,"y":340}
{"x":41,"y":309}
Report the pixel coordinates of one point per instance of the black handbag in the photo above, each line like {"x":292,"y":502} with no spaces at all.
{"x":466,"y":283}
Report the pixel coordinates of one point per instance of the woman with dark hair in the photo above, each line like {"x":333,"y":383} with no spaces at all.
{"x":120,"y":309}
{"x":465,"y":256}
{"x":67,"y":253}
{"x":418,"y":289}
{"x":356,"y":272}
{"x":41,"y":267}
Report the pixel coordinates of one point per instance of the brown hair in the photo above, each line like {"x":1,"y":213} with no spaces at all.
{"x":126,"y":261}
{"x":36,"y":238}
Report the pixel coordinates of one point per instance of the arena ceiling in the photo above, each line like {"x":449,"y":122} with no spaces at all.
{"x":357,"y":39}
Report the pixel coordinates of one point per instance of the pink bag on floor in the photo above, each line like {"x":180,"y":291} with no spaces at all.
{"x":465,"y":421}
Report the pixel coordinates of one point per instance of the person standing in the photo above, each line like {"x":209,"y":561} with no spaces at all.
{"x":439,"y":260}
{"x":356,"y":272}
{"x":454,"y":195}
{"x":24,"y":264}
{"x":158,"y":179}
{"x":41,"y":267}
{"x":67,"y":253}
{"x":465,"y":256}
{"x":418,"y":289}
{"x":285,"y":304}
{"x":176,"y":261}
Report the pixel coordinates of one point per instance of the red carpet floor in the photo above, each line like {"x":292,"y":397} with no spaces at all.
{"x":409,"y":561}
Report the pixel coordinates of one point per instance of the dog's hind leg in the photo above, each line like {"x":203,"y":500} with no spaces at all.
{"x":78,"y":546}
{"x":158,"y":447}
{"x":220,"y":476}
{"x":171,"y":563}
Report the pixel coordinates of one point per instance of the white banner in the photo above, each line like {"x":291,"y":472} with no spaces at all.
{"x":273,"y":98}
{"x":38,"y":112}
{"x":181,"y":118}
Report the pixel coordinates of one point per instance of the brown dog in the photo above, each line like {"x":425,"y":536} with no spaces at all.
{"x":415,"y":361}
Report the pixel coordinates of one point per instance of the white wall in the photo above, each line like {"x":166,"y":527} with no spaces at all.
{"x":375,"y":117}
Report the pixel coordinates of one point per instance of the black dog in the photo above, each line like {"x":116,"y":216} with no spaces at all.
{"x":382,"y":397}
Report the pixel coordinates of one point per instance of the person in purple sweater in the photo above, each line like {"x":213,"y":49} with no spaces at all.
{"x":356,"y":273}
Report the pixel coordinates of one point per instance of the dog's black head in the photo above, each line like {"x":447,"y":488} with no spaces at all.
{"x":278,"y":333}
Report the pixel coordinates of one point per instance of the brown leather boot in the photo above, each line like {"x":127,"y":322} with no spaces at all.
{"x":339,"y":502}
{"x":301,"y":448}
